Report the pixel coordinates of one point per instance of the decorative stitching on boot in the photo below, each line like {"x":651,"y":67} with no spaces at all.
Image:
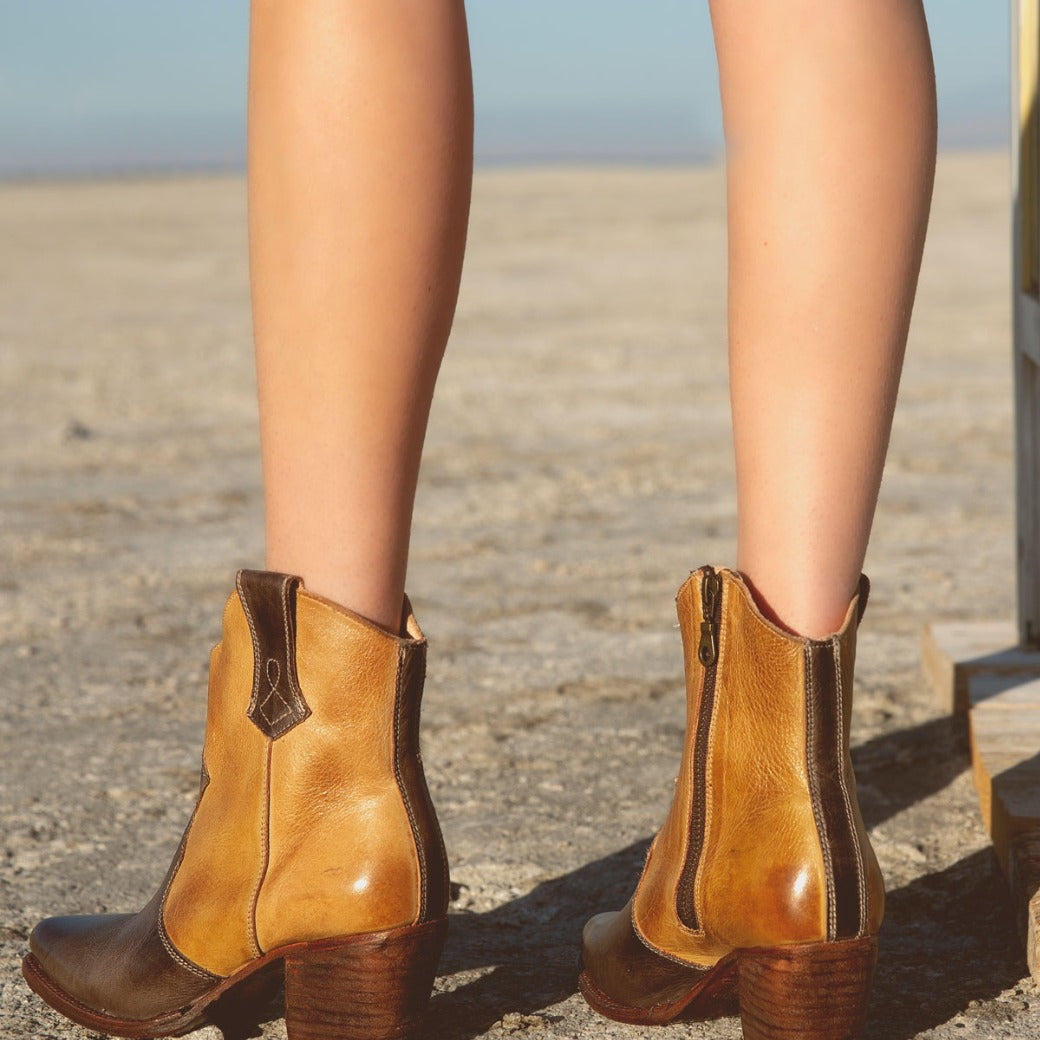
{"x":180,"y":958}
{"x":420,"y":853}
{"x":265,"y":856}
{"x":265,"y":596}
{"x":674,"y":958}
{"x":812,"y":695}
{"x":842,"y":752}
{"x":443,"y":853}
{"x":244,"y":600}
{"x":164,"y":938}
{"x":833,"y":807}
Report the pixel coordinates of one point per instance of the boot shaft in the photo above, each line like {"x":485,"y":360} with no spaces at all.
{"x":314,"y":819}
{"x":764,"y":843}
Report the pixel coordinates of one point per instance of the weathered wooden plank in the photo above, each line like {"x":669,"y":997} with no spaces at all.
{"x":953,"y":653}
{"x":1027,"y":476}
{"x":1004,"y":748}
{"x":1004,"y":691}
{"x":1028,"y":324}
{"x":1024,"y":879}
{"x":1025,"y":167}
{"x":1004,"y":727}
{"x":1025,"y":66}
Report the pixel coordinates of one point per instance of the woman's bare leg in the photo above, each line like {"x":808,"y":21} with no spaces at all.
{"x":360,"y":160}
{"x":829,"y":111}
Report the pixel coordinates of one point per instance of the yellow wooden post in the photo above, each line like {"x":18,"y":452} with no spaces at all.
{"x":991,"y":669}
{"x":1026,"y":31}
{"x":1025,"y":171}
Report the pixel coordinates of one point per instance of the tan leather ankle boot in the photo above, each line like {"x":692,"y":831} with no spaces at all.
{"x":762,"y":879}
{"x":313,"y":848}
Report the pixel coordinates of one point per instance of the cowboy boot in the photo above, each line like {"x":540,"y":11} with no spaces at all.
{"x":313,"y":850}
{"x":762,"y":880}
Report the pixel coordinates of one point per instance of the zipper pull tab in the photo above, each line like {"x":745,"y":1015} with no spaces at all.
{"x":708,"y":648}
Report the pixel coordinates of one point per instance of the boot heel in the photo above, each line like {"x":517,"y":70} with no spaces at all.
{"x":813,"y":992}
{"x":368,"y":987}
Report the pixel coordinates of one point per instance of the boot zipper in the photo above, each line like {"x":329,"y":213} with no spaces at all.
{"x":707,"y":655}
{"x":711,"y":590}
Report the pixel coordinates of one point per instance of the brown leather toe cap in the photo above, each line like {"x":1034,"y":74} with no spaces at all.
{"x":116,"y":964}
{"x":626,"y":971}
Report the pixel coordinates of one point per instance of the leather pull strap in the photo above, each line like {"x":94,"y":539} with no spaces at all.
{"x":863,"y":591}
{"x":269,"y":602}
{"x":829,"y":787}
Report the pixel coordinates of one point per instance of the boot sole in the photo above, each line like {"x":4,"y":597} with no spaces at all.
{"x":815,"y":991}
{"x":372,"y":986}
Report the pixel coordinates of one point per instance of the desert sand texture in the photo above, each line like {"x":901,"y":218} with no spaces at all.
{"x":578,"y":467}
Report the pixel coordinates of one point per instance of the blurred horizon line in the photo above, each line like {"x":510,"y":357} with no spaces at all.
{"x":494,"y":151}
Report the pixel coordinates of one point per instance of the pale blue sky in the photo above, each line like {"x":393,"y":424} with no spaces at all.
{"x":114,"y":84}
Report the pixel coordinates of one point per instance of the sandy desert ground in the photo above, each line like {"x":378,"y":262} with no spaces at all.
{"x":578,"y":467}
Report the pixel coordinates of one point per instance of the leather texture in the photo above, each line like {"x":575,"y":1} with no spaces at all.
{"x":411,"y":779}
{"x":342,"y":853}
{"x":119,"y":964}
{"x":620,"y":963}
{"x":269,"y":602}
{"x":208,"y":907}
{"x":314,"y":822}
{"x":764,"y":844}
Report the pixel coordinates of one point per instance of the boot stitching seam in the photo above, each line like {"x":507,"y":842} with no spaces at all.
{"x":291,"y":679}
{"x":674,"y":958}
{"x":401,"y":787}
{"x":296,"y":712}
{"x":812,"y":765}
{"x":164,"y":938}
{"x":265,"y":855}
{"x":181,"y":959}
{"x":842,"y":754}
{"x":244,"y":599}
{"x":446,"y":866}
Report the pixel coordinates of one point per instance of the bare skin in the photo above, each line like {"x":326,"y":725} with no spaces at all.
{"x":829,"y":112}
{"x":360,"y":159}
{"x":359,"y":179}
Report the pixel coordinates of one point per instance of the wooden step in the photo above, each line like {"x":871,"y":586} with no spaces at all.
{"x":978,"y":669}
{"x":1004,"y":726}
{"x":954,"y":652}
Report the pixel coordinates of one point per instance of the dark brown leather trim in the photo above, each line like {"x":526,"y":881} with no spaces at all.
{"x":863,"y":591}
{"x":624,"y":978}
{"x":411,"y":781}
{"x":123,"y":965}
{"x":827,"y":750}
{"x":269,"y":602}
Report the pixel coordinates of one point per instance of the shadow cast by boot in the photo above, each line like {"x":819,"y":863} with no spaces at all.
{"x":241,"y":1013}
{"x":949,"y":939}
{"x":900,"y":769}
{"x":526,"y":949}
